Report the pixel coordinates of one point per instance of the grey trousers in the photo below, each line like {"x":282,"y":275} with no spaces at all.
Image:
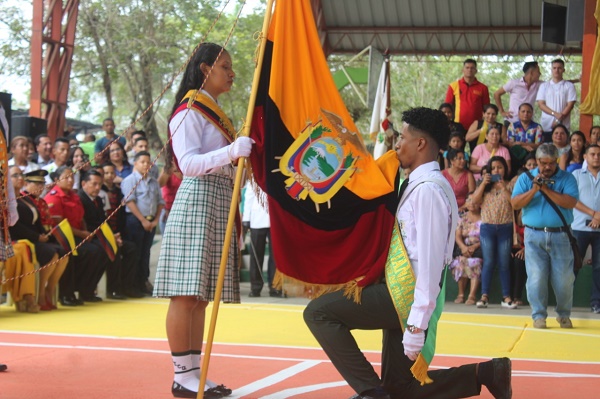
{"x":331,"y":317}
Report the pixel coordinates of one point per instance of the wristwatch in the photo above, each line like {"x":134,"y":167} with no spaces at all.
{"x":413,"y":329}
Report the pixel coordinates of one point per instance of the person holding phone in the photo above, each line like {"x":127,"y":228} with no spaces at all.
{"x":586,"y":223}
{"x":494,"y":194}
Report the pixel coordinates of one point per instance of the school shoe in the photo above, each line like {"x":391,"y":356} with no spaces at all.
{"x":179,"y":391}
{"x":501,"y":387}
{"x":116,"y":295}
{"x":359,"y":396}
{"x":509,"y":305}
{"x":539,"y":323}
{"x":221,"y":390}
{"x":564,"y":322}
{"x":596,"y":308}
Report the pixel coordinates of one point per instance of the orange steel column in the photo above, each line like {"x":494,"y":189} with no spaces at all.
{"x":589,"y":44}
{"x":51,"y":57}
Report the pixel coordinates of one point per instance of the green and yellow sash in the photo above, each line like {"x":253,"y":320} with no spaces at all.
{"x":205,"y":105}
{"x":400,"y":280}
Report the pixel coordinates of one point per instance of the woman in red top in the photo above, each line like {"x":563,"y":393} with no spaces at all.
{"x":169,"y":180}
{"x":85,"y":270}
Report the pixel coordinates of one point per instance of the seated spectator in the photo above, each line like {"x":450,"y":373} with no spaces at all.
{"x":523,"y":136}
{"x":80,"y":163}
{"x":169,"y":181}
{"x":60,"y":152}
{"x":31,"y":155}
{"x":117,"y":157}
{"x":494,"y":195}
{"x":141,"y":144}
{"x":84,"y":270}
{"x":43,"y":146}
{"x":120,"y":273}
{"x":477,"y":133}
{"x":572,"y":160}
{"x":19,"y":148}
{"x":448,"y":110}
{"x":560,"y":139}
{"x":29,"y":227}
{"x":467,"y":266}
{"x":144,"y":206}
{"x":484,"y":152}
{"x":457,"y":142}
{"x":594,"y":134}
{"x":460,"y":179}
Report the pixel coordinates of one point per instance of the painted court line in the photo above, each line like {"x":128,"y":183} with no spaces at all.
{"x":274,"y":378}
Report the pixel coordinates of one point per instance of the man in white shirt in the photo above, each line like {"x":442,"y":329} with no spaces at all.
{"x":427,"y":216}
{"x":556,"y":98}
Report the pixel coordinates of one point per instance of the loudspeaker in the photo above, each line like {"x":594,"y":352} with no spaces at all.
{"x":28,"y":126}
{"x":554,"y":20}
{"x":575,"y":19}
{"x":6,"y":100}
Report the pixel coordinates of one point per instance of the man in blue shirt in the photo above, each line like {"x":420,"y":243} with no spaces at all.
{"x":587,"y":217}
{"x":108,"y":125}
{"x":548,"y":253}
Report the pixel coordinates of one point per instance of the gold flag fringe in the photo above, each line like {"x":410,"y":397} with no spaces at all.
{"x":419,"y":370}
{"x":297,"y":288}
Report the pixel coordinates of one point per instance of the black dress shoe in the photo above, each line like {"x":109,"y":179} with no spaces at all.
{"x":91,"y":298}
{"x":359,"y":396}
{"x":277,"y":294}
{"x":67,"y":301}
{"x":3,"y":367}
{"x":220,"y":389}
{"x":254,"y":294}
{"x":134,"y":293}
{"x":179,"y":391}
{"x":501,"y":387}
{"x":115,"y":295}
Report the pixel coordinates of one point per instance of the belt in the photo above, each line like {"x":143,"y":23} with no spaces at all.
{"x":549,"y":229}
{"x":149,"y":218}
{"x":226,"y":170}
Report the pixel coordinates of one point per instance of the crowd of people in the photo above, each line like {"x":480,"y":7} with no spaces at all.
{"x":508,"y":177}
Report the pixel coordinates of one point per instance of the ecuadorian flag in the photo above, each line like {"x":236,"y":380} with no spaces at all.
{"x":332,"y":207}
{"x":64,"y":236}
{"x":107,"y":240}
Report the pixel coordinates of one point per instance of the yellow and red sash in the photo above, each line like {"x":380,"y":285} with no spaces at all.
{"x":200,"y":102}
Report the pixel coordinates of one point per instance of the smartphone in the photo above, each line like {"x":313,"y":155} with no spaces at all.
{"x":496,"y":178}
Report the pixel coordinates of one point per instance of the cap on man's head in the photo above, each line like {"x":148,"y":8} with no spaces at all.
{"x":36,"y":176}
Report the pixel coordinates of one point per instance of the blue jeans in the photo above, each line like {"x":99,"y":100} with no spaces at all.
{"x":496,"y":243}
{"x":548,"y":256}
{"x":584,"y":240}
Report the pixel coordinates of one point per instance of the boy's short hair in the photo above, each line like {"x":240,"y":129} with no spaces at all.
{"x":108,"y":164}
{"x":143,"y":138}
{"x":141,"y":154}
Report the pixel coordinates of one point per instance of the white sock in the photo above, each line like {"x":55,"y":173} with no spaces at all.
{"x":196,"y":368}
{"x":184,"y":371}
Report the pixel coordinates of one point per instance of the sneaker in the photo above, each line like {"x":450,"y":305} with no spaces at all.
{"x":483,"y":302}
{"x":501,"y":387}
{"x":508,"y":305}
{"x":564,"y":322}
{"x":596,"y":308}
{"x":539,"y":323}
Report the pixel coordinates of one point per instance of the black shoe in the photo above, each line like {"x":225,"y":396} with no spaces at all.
{"x":134,"y":293}
{"x":277,"y":294}
{"x":148,"y":287}
{"x":221,"y":390}
{"x":67,"y":301}
{"x":254,"y":294}
{"x":91,"y":298}
{"x":78,"y":302}
{"x":501,"y":387}
{"x":115,"y":295}
{"x":179,"y":391}
{"x":3,"y":367}
{"x":359,"y":396}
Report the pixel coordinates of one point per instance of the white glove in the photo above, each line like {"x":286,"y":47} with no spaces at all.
{"x":413,"y":343}
{"x":241,"y":147}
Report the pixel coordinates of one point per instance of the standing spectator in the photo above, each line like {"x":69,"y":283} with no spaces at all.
{"x":594,"y":134}
{"x":478,"y":130}
{"x":88,"y":146}
{"x":496,"y":228}
{"x":144,"y":205}
{"x":448,"y":110}
{"x":136,"y":134}
{"x":460,"y":178}
{"x":573,"y":158}
{"x":60,"y":152}
{"x":523,"y":90}
{"x":486,"y":151}
{"x":108,"y":125}
{"x":121,"y":271}
{"x":548,"y":255}
{"x":43,"y":146}
{"x":19,"y":147}
{"x":84,"y":270}
{"x":468,"y":95}
{"x":80,"y":163}
{"x":118,"y":157}
{"x":523,"y":136}
{"x":587,"y":217}
{"x":256,"y":215}
{"x":467,"y":266}
{"x":560,"y":139}
{"x":556,"y":98}
{"x":169,"y":181}
{"x":141,"y":144}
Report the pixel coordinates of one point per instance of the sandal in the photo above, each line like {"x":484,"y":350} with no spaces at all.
{"x":459,"y":299}
{"x":483,"y":302}
{"x":470,"y":301}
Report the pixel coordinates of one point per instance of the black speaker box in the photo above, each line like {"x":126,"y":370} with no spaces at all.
{"x":28,"y":126}
{"x":554,"y":21}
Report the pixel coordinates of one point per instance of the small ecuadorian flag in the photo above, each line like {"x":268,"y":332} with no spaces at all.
{"x":331,"y":204}
{"x":107,"y":240}
{"x":64,"y":235}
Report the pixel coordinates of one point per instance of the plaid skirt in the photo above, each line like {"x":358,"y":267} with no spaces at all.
{"x":190,"y":253}
{"x":6,"y":251}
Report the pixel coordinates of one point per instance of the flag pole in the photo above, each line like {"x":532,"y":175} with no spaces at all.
{"x":233,"y":209}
